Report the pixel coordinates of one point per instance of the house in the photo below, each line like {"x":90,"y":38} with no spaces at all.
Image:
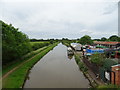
{"x":115,"y":74}
{"x":107,"y":44}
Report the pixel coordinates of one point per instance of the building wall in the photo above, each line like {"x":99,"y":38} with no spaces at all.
{"x":115,"y":75}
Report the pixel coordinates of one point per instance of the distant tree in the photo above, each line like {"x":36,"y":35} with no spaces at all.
{"x":118,"y":39}
{"x":103,"y":39}
{"x":96,"y":39}
{"x":56,"y":40}
{"x":40,"y":40}
{"x":65,"y":39}
{"x":33,"y":40}
{"x":113,"y":38}
{"x":51,"y":41}
{"x":85,"y":40}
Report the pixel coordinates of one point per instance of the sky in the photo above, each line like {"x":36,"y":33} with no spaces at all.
{"x":62,"y":18}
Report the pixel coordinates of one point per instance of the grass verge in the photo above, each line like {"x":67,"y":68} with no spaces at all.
{"x":17,"y":77}
{"x":11,"y":65}
{"x":81,"y":65}
{"x":106,"y":87}
{"x":66,"y":44}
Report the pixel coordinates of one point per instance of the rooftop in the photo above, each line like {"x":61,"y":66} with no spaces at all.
{"x":110,"y":43}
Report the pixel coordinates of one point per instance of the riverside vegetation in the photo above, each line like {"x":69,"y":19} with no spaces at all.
{"x":19,"y":75}
{"x":21,"y":52}
{"x":16,"y":44}
{"x":19,"y":55}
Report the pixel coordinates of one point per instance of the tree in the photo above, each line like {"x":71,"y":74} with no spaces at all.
{"x":96,"y":39}
{"x":15,"y":44}
{"x":118,"y":39}
{"x":85,"y":40}
{"x":114,"y":38}
{"x":103,"y":39}
{"x":97,"y":59}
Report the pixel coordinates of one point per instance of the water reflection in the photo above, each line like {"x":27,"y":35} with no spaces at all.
{"x":70,"y":56}
{"x":55,"y":70}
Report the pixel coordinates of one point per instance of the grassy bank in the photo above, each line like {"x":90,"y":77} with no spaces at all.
{"x":39,"y":42}
{"x":106,"y":87}
{"x":66,"y":44}
{"x":80,"y":63}
{"x":84,"y":69}
{"x":17,"y":77}
{"x":13,"y":64}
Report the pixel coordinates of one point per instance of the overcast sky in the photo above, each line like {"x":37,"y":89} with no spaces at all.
{"x":62,"y":18}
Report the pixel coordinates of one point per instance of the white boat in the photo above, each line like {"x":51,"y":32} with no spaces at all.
{"x":76,"y":46}
{"x":69,"y":50}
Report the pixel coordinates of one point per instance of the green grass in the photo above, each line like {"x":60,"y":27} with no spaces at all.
{"x":80,"y":63}
{"x":66,"y":44}
{"x":77,"y":58}
{"x":110,"y":86}
{"x":32,"y":43}
{"x":11,"y":65}
{"x":16,"y":78}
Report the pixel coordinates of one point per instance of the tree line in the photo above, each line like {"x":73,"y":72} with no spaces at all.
{"x":16,"y":44}
{"x":113,"y":38}
{"x":86,"y":39}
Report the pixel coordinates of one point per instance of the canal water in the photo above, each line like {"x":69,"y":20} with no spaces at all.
{"x":56,"y":70}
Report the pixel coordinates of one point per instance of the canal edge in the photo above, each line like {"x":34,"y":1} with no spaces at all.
{"x":92,"y":82}
{"x":28,"y":71}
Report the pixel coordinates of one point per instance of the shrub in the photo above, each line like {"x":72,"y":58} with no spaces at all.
{"x":36,"y":46}
{"x":97,"y":59}
{"x":15,"y":44}
{"x":82,"y":66}
{"x":77,"y":59}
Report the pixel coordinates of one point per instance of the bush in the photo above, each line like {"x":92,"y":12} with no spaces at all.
{"x":77,"y":59}
{"x":82,"y":66}
{"x":15,"y":44}
{"x":108,"y":63}
{"x":97,"y":59}
{"x":36,"y":46}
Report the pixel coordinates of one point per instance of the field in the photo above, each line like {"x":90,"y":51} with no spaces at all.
{"x":38,"y":42}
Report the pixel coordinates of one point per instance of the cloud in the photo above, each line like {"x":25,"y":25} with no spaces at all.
{"x":58,"y":19}
{"x":111,"y":8}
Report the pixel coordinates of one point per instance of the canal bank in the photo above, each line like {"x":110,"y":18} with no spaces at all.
{"x":94,"y":81}
{"x":56,"y":70}
{"x":18,"y":73}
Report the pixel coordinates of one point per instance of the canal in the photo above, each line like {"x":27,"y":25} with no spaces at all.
{"x":56,"y":70}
